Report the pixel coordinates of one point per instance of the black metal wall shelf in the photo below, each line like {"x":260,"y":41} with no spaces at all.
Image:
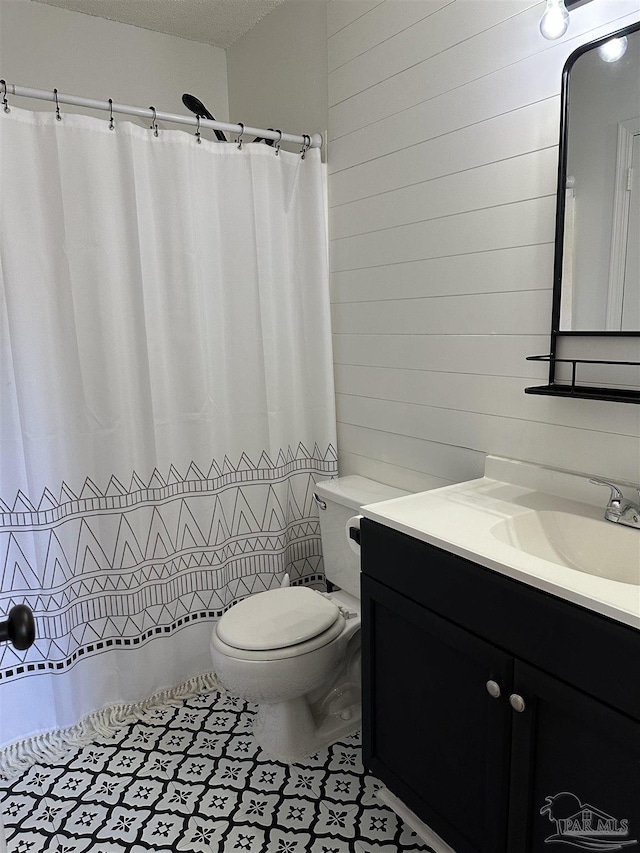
{"x":585,"y":392}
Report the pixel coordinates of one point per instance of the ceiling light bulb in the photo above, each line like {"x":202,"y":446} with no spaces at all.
{"x":555,"y":20}
{"x":613,"y":50}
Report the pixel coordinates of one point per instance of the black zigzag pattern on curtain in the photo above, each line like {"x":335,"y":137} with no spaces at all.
{"x":115,"y":568}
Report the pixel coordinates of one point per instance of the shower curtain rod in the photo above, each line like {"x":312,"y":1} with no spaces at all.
{"x":156,"y":115}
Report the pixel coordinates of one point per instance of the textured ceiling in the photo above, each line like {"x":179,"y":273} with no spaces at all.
{"x":216,"y":22}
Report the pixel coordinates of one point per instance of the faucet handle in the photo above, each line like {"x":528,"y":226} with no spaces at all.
{"x":616,"y":497}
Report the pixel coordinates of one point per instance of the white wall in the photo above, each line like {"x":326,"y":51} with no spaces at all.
{"x":278,"y":70}
{"x":443,"y":126}
{"x":45,"y":47}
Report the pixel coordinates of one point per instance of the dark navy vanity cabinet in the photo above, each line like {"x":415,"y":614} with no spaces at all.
{"x":507,"y":719}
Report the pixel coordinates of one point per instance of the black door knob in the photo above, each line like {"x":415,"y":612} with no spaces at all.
{"x":19,"y":629}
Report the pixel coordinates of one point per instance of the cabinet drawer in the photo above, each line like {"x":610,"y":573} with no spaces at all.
{"x":583,"y":648}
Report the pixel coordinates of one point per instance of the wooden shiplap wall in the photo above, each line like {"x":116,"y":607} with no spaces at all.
{"x":443,"y":130}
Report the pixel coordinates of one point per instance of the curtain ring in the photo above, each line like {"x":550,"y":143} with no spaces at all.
{"x":198,"y":130}
{"x":154,"y":124}
{"x":306,"y":144}
{"x":239,"y":138}
{"x":5,"y":103}
{"x":111,"y":125}
{"x":55,"y":95}
{"x":277,"y":145}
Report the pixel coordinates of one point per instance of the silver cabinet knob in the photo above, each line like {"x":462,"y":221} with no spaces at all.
{"x":493,"y":689}
{"x":517,"y":703}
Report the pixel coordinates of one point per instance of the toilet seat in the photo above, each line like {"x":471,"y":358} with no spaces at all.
{"x":276,"y":619}
{"x":293,"y":621}
{"x":280,"y":654}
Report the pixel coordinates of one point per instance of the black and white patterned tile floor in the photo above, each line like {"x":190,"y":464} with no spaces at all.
{"x":191,"y":778}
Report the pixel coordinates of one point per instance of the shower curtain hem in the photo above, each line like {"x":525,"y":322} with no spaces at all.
{"x":18,"y":757}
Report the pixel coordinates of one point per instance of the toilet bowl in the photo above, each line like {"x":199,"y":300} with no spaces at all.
{"x":296,"y":651}
{"x":294,"y":717}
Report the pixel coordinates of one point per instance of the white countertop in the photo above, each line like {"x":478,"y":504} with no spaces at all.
{"x":459,"y":519}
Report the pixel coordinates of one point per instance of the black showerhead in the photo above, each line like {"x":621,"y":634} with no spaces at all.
{"x":198,"y":108}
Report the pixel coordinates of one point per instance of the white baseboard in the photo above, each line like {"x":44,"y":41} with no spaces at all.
{"x":405,"y":814}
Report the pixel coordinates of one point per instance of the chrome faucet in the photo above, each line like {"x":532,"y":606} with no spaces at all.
{"x":619,"y":509}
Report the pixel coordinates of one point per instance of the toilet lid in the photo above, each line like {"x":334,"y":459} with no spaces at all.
{"x":276,"y":619}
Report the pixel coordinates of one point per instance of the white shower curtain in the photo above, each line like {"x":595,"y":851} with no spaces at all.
{"x":167,"y":400}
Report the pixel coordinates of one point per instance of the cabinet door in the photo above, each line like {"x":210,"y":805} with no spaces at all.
{"x":431,"y":730}
{"x":576,"y":770}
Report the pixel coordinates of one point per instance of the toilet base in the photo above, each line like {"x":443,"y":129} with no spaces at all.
{"x":285,"y":730}
{"x":292,"y":730}
{"x":297,"y":728}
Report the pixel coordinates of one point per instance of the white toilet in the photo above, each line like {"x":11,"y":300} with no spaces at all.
{"x":295,"y":651}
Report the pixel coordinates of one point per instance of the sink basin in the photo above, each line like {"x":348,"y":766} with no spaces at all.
{"x":580,"y":542}
{"x":537,"y":525}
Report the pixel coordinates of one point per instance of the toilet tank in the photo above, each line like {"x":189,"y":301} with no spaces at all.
{"x":342,"y":498}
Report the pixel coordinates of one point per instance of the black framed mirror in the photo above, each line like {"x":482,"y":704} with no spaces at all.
{"x":595,"y":329}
